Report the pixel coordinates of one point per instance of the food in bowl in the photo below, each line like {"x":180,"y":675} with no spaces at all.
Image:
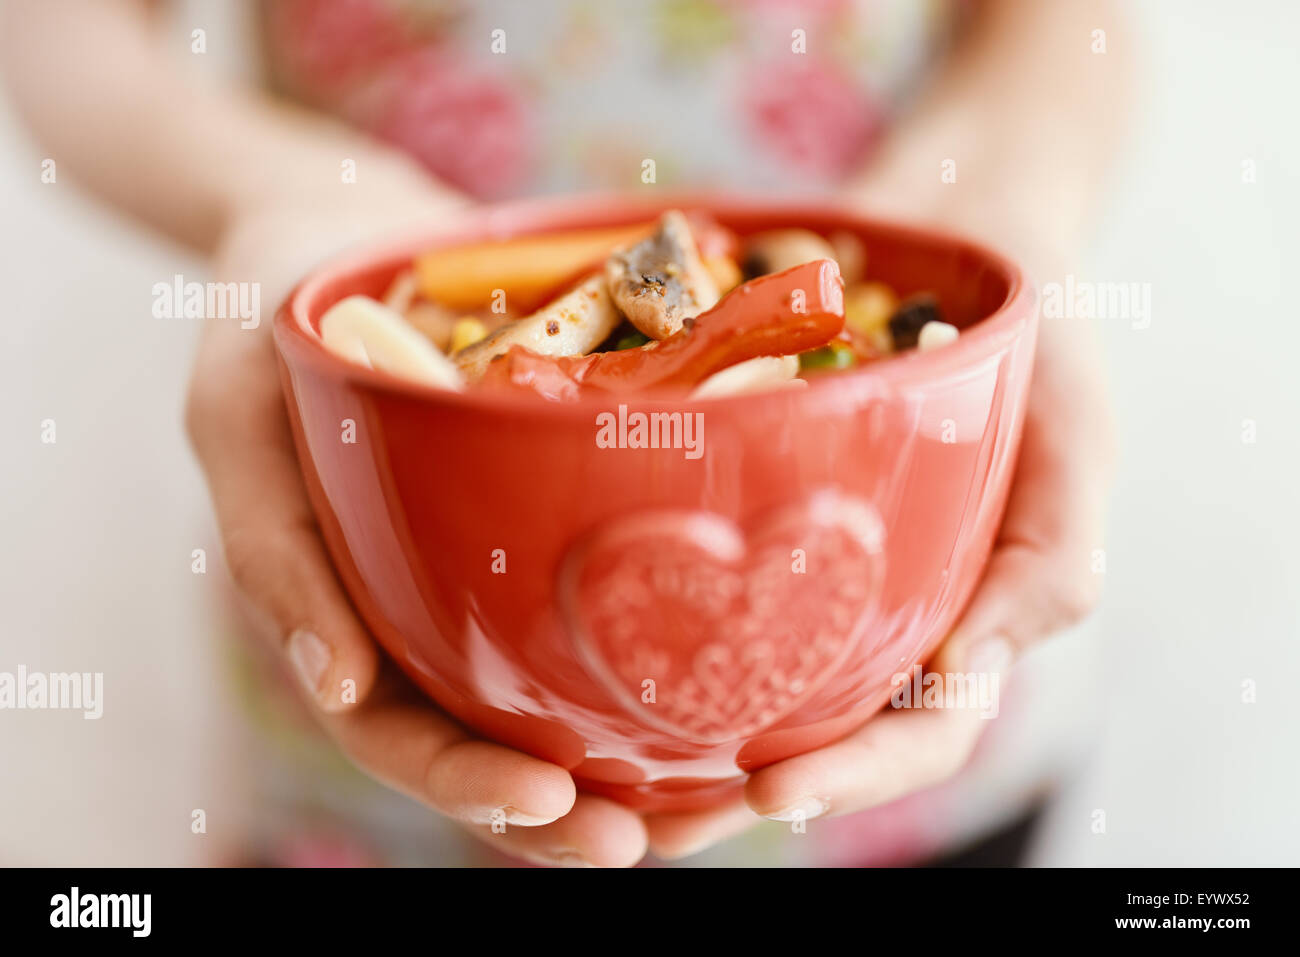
{"x":683,"y":304}
{"x":661,"y":619}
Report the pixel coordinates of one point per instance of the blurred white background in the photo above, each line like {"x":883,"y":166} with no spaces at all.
{"x":1203,"y":580}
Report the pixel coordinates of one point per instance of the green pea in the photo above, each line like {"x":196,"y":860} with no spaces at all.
{"x":827,"y":357}
{"x":632,"y":341}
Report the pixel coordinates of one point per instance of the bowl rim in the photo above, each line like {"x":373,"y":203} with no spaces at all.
{"x":537,"y":216}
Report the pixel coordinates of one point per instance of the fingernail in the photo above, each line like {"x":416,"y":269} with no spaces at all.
{"x":990,"y":656}
{"x":310,"y":658}
{"x":569,"y":859}
{"x":805,"y":810}
{"x":520,"y":819}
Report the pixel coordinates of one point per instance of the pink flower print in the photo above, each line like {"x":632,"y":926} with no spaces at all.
{"x":812,"y":116}
{"x":808,"y":9}
{"x":327,"y":43}
{"x":469,"y":128}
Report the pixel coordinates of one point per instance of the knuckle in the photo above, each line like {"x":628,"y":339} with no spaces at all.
{"x":1062,"y":588}
{"x":264,"y":563}
{"x":1073,"y":597}
{"x":201,"y":404}
{"x":245,"y":558}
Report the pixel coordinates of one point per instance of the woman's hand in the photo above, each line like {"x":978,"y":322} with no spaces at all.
{"x":1039,"y":580}
{"x":1010,"y":143}
{"x":238,"y":425}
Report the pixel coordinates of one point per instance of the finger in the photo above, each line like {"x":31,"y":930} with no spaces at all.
{"x":1026,"y":594}
{"x":596,"y":833}
{"x":402,"y":741}
{"x":1042,"y":575}
{"x":891,"y":755}
{"x":275,"y":554}
{"x":239,"y":429}
{"x":674,"y":836}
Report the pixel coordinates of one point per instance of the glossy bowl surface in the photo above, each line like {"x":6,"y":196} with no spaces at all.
{"x":662,"y":620}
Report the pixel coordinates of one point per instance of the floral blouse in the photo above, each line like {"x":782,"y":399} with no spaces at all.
{"x":507,"y":97}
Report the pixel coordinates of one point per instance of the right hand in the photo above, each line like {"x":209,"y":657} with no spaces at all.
{"x":239,"y":428}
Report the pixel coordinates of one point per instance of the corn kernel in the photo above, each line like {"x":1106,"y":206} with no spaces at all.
{"x":725,"y":272}
{"x":466,"y":332}
{"x":867,"y":308}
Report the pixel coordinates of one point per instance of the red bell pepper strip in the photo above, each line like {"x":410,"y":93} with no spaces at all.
{"x":778,"y":315}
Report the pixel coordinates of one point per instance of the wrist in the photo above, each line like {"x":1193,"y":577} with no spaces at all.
{"x":292,"y":160}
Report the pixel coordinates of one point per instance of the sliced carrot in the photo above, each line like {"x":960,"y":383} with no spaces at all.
{"x":528,"y":268}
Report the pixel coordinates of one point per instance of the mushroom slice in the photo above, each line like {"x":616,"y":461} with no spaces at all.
{"x":661,"y":281}
{"x":571,"y":325}
{"x":752,"y":375}
{"x":780,"y":249}
{"x":371,"y":334}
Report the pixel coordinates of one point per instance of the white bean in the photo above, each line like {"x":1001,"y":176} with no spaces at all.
{"x":367,"y":332}
{"x":934,"y":335}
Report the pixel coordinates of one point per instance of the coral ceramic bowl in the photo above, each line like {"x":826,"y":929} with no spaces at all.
{"x":662,"y":620}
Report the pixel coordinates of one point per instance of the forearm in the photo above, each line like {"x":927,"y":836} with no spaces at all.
{"x":1029,"y":116}
{"x":112,"y":105}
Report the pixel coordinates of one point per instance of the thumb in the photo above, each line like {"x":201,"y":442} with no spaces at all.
{"x":272,"y":546}
{"x":283,"y":573}
{"x":1026,"y":594}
